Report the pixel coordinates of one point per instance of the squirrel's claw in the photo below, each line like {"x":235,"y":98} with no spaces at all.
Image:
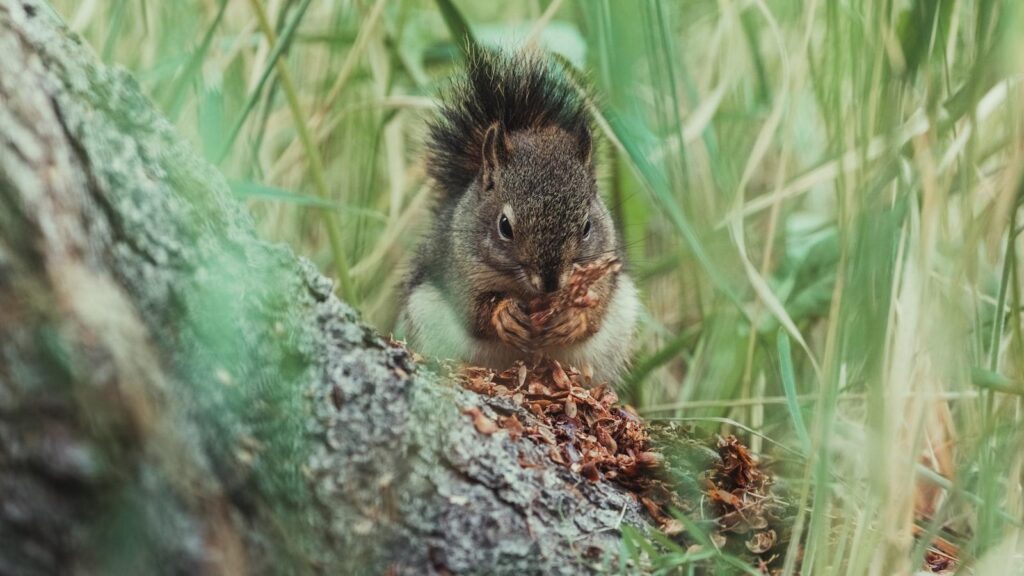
{"x":565,"y":328}
{"x":512,"y":325}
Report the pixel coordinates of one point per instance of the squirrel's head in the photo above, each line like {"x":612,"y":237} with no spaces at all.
{"x":538,"y":211}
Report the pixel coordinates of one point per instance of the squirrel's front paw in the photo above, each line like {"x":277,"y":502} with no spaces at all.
{"x":512,"y":324}
{"x":564,"y":328}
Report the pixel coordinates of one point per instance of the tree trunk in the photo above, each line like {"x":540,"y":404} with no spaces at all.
{"x":179,"y":396}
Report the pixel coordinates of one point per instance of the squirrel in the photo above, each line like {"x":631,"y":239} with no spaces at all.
{"x":511,"y":154}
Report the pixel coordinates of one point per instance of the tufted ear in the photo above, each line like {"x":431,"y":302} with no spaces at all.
{"x":586,"y":146}
{"x":494,"y":153}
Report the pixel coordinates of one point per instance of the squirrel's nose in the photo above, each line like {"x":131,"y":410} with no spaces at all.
{"x":550,"y":281}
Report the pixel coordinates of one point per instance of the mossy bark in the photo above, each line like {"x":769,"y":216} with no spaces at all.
{"x":179,"y":396}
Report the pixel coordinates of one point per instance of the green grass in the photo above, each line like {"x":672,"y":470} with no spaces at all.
{"x":819,"y":200}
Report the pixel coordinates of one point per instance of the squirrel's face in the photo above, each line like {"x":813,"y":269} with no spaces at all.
{"x":538,"y":212}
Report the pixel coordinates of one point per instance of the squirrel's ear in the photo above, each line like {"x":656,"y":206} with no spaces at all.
{"x":494,"y":151}
{"x":586,"y":146}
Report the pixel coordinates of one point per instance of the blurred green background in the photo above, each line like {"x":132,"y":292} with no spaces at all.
{"x":820,"y":202}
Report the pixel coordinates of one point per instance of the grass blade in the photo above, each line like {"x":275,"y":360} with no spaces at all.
{"x":316,"y":169}
{"x":256,"y":191}
{"x":789,"y":387}
{"x":457,"y":26}
{"x":996,"y":382}
{"x":275,"y":54}
{"x":176,"y":96}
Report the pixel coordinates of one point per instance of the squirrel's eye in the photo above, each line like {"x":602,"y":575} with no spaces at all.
{"x":586,"y":229}
{"x":504,"y":227}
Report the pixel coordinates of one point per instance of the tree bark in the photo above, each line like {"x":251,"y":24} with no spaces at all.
{"x":179,"y":396}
